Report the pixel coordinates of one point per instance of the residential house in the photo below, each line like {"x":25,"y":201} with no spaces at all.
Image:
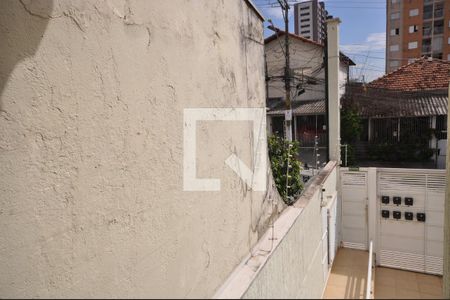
{"x":308,"y":92}
{"x":404,"y":113}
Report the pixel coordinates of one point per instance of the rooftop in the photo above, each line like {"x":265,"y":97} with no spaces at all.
{"x":299,"y":108}
{"x":279,"y":33}
{"x":420,"y":105}
{"x":420,"y":75}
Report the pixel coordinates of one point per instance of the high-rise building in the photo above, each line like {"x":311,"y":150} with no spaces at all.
{"x":416,"y":28}
{"x":309,"y":18}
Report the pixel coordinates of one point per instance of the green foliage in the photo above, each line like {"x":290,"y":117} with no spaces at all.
{"x":350,"y":126}
{"x":350,"y":131}
{"x":413,"y":147}
{"x":400,"y":152}
{"x":280,"y":152}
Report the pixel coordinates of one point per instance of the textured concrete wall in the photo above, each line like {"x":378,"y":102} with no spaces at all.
{"x":290,"y":261}
{"x":91,"y":146}
{"x":294,"y":269}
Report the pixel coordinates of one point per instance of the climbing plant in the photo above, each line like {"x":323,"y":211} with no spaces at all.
{"x":286,"y":168}
{"x":350,"y":131}
{"x":350,"y":125}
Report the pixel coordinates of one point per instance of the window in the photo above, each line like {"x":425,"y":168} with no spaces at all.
{"x":395,"y":16}
{"x":395,"y":31}
{"x":428,"y":12}
{"x":448,"y":57}
{"x":439,"y":10}
{"x":414,"y":12}
{"x":439,"y":27}
{"x":441,"y":127}
{"x":426,"y":46}
{"x":413,"y":28}
{"x":305,"y":20}
{"x":412,"y":45}
{"x":305,"y":31}
{"x":437,"y":44}
{"x":427,"y":29}
{"x":304,"y":8}
{"x":394,"y":48}
{"x":305,"y":26}
{"x":411,"y":60}
{"x":304,"y":14}
{"x":448,"y":42}
{"x":394,"y":1}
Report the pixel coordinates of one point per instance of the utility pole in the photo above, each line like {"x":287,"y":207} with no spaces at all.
{"x":287,"y":71}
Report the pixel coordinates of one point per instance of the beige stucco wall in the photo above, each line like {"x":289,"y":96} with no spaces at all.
{"x":91,"y":146}
{"x":297,"y":269}
{"x":291,"y":260}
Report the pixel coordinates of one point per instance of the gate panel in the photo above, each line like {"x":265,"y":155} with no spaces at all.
{"x":354,"y":209}
{"x":410,"y":244}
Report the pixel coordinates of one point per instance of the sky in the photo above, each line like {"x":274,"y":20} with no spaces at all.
{"x":362,"y":31}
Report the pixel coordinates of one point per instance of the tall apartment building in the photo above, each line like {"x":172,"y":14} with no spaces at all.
{"x":309,"y":18}
{"x":416,"y":28}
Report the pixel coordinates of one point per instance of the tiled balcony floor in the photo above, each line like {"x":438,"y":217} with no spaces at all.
{"x":397,"y":284}
{"x":349,"y":274}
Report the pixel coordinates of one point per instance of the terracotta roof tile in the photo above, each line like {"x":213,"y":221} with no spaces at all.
{"x":421,"y":75}
{"x":300,"y":108}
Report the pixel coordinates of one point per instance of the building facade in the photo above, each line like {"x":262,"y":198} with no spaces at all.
{"x":404,"y":115}
{"x":416,"y":28}
{"x":308,"y":101}
{"x":309,"y":18}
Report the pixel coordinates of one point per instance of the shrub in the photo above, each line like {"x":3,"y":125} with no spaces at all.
{"x":281,"y":152}
{"x":350,"y":131}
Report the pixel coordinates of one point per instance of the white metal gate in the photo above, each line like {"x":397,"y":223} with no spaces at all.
{"x":406,"y":243}
{"x":408,"y":232}
{"x":354,"y":209}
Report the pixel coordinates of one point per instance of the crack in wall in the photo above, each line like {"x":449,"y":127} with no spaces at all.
{"x":34,"y":14}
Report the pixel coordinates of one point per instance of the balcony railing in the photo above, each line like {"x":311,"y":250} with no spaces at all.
{"x":426,"y":48}
{"x":438,"y":30}
{"x":439,"y":13}
{"x":369,"y":292}
{"x":427,"y":15}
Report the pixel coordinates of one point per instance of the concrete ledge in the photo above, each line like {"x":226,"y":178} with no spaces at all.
{"x":315,"y":184}
{"x":242,"y":277}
